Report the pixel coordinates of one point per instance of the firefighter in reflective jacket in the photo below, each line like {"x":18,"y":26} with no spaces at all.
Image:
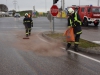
{"x":27,"y":23}
{"x":75,"y":22}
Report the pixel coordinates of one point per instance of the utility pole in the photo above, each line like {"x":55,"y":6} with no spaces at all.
{"x":79,"y":2}
{"x":53,"y":20}
{"x":45,"y":6}
{"x":98,"y":2}
{"x":18,"y":8}
{"x":63,"y":4}
{"x":34,"y":12}
{"x":61,"y":8}
{"x":33,"y":8}
{"x":6,"y":2}
{"x":15,"y":2}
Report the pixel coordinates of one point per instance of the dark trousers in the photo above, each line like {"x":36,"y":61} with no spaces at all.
{"x":77,"y":38}
{"x":28,"y":30}
{"x":76,"y":43}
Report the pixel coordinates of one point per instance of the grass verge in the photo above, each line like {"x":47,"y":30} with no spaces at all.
{"x":83,"y":43}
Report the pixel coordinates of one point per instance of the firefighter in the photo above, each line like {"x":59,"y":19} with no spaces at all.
{"x":75,"y":22}
{"x":27,"y":23}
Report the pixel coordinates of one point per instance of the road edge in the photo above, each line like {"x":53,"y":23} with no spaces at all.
{"x":93,"y":51}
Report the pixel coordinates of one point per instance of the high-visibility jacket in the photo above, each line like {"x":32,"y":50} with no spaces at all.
{"x":75,"y":22}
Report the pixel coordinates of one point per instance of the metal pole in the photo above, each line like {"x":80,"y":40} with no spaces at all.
{"x":45,"y":6}
{"x":18,"y":7}
{"x":53,"y":20}
{"x":63,"y":4}
{"x":61,"y":8}
{"x":53,"y":24}
{"x":98,"y":2}
{"x":79,"y":2}
{"x":15,"y":2}
{"x":6,"y":3}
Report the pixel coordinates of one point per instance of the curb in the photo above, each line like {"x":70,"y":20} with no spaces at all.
{"x":47,"y":37}
{"x":93,"y":51}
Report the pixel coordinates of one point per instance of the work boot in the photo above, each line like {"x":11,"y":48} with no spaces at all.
{"x":76,"y":48}
{"x":29,"y":34}
{"x":26,"y":35}
{"x":68,"y":46}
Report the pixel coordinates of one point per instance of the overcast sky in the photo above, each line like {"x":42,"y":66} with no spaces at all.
{"x":42,"y":5}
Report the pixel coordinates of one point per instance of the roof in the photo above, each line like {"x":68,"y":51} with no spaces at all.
{"x":77,"y":6}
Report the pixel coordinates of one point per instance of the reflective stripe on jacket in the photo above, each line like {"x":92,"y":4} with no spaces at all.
{"x":76,"y":19}
{"x":77,"y":27}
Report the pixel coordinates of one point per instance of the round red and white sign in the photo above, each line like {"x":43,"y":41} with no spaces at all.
{"x":54,"y":10}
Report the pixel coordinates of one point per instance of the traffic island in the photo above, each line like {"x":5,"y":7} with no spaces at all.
{"x":84,"y":45}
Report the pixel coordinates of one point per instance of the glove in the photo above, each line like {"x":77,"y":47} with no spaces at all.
{"x":77,"y":23}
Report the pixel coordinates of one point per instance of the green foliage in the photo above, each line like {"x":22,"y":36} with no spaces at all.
{"x":22,"y":13}
{"x":87,"y":44}
{"x":83,"y":43}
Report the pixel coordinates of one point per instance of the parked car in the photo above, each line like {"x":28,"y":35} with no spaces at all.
{"x":16,"y":15}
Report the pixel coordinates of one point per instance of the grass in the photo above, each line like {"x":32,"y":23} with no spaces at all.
{"x":83,"y":43}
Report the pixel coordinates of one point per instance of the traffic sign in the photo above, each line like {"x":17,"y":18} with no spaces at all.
{"x":54,"y":10}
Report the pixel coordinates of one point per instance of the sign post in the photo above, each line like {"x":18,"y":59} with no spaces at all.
{"x":49,"y":17}
{"x":54,"y":11}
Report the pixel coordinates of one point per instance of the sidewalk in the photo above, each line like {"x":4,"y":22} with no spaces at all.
{"x":95,"y":50}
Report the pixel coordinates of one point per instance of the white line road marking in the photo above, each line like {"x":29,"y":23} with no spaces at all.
{"x":43,"y":39}
{"x":6,"y":34}
{"x":98,"y":42}
{"x":38,"y":27}
{"x":9,"y":27}
{"x":82,"y":55}
{"x":73,"y":52}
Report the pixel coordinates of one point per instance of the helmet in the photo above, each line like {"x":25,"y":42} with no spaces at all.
{"x":26,"y":14}
{"x":70,"y":10}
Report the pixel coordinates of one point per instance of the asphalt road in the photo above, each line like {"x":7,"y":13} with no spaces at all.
{"x":38,"y":56}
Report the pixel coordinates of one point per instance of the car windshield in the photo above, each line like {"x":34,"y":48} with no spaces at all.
{"x":96,"y":10}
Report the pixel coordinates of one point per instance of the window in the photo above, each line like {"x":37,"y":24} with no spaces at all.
{"x":89,"y":9}
{"x":96,"y":10}
{"x":82,"y":10}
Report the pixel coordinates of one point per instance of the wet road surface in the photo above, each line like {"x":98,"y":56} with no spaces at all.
{"x":38,"y":56}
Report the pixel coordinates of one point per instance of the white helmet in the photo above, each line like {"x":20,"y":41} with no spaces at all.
{"x":70,"y":10}
{"x":26,"y":14}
